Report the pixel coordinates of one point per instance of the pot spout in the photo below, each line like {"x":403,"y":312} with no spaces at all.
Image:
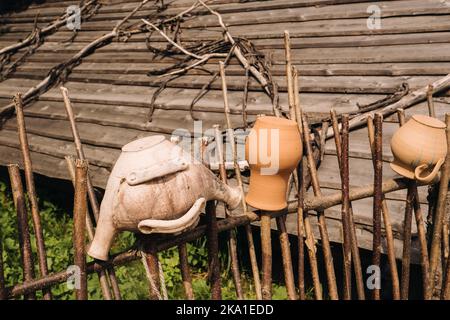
{"x":232,"y":196}
{"x":103,"y":239}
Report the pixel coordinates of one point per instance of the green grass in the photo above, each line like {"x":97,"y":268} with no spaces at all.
{"x":57,"y":227}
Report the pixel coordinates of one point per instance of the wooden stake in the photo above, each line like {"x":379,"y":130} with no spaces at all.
{"x":287,"y":259}
{"x":213,"y":251}
{"x":406,"y":256}
{"x":266,"y":251}
{"x":90,"y":188}
{"x":40,"y":245}
{"x":2,"y":274}
{"x":103,"y":276}
{"x":354,"y":240}
{"x":387,"y":222}
{"x":430,"y":102}
{"x":289,"y":78}
{"x":22,"y":226}
{"x":331,"y":277}
{"x":346,"y":227}
{"x":185,"y":272}
{"x":303,"y":224}
{"x":440,"y":216}
{"x":378,"y":196}
{"x":248,"y":228}
{"x":412,"y":187}
{"x":79,"y":228}
{"x":300,"y":234}
{"x":151,"y":265}
{"x":232,"y":242}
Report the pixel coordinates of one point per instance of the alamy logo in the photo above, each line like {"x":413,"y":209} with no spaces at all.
{"x":263,"y":146}
{"x":73,"y":17}
{"x":74,"y":280}
{"x":374,"y":280}
{"x":374,"y":20}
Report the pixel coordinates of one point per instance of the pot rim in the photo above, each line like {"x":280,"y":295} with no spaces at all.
{"x":429,"y":121}
{"x":402,"y":169}
{"x":276,"y":122}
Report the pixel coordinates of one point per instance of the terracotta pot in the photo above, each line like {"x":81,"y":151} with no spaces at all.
{"x":155,"y":187}
{"x":419,"y":148}
{"x":273,"y":150}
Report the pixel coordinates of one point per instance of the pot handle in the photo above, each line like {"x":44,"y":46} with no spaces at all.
{"x":427,"y":179}
{"x":155,"y":171}
{"x":188,"y":220}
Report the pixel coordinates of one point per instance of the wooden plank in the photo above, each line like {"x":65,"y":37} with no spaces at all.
{"x":375,"y":69}
{"x":164,"y":121}
{"x":180,"y":99}
{"x":337,"y":84}
{"x":345,"y":11}
{"x":296,"y":43}
{"x":99,"y":156}
{"x":437,"y":52}
{"x":51,"y":166}
{"x":91,"y":134}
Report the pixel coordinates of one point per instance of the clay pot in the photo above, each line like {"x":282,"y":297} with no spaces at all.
{"x":273,"y":150}
{"x":419,"y":148}
{"x":155,"y":187}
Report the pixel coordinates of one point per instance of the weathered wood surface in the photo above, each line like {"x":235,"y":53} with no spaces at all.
{"x":342,"y":63}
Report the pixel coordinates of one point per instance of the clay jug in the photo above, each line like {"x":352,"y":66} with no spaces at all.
{"x":273,"y":150}
{"x":419,"y":148}
{"x":155,"y":187}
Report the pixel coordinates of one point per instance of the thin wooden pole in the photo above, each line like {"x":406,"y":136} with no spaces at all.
{"x":248,"y":228}
{"x":354,"y":240}
{"x":378,"y":196}
{"x":104,"y":285}
{"x":430,"y":102}
{"x":2,"y":273}
{"x":182,"y":248}
{"x":412,"y":187}
{"x":303,"y":224}
{"x":185,"y":272}
{"x":79,"y":148}
{"x":22,"y":226}
{"x":300,"y":233}
{"x":151,"y":264}
{"x":289,"y":76}
{"x":266,"y":251}
{"x":440,"y":213}
{"x":281,"y":223}
{"x":406,"y":255}
{"x":445,"y":293}
{"x":213,"y":251}
{"x":40,"y":245}
{"x":329,"y":266}
{"x":232,"y":241}
{"x":346,"y":227}
{"x":387,"y":222}
{"x":286,"y":257}
{"x":90,"y":188}
{"x":114,"y":284}
{"x":79,"y":227}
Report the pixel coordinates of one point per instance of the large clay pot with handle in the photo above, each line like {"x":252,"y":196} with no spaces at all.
{"x":419,"y":148}
{"x":155,"y":187}
{"x":273,"y":150}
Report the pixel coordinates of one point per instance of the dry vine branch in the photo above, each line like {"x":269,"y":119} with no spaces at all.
{"x":61,"y":70}
{"x":55,"y":25}
{"x":406,"y":101}
{"x":253,"y":61}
